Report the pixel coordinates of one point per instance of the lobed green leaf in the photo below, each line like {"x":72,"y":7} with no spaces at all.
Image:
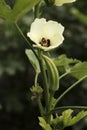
{"x":19,"y":9}
{"x":43,"y":124}
{"x":64,"y":61}
{"x":66,"y":119}
{"x":79,"y":70}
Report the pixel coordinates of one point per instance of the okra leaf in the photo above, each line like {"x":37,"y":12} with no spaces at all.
{"x":44,"y":124}
{"x":66,"y":119}
{"x":79,"y":70}
{"x":64,"y":61}
{"x":5,"y":10}
{"x":19,"y":9}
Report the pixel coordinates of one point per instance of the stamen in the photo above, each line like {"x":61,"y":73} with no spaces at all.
{"x":44,"y":42}
{"x":48,"y":42}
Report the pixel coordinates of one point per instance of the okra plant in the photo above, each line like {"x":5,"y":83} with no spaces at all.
{"x":44,"y":36}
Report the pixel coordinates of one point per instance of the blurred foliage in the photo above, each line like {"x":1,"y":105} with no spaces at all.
{"x":17,"y":112}
{"x":10,"y":49}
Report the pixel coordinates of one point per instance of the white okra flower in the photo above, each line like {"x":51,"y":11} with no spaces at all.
{"x":46,"y":35}
{"x":61,"y":2}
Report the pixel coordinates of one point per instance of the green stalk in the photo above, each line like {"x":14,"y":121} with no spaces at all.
{"x":20,"y":31}
{"x":37,"y":12}
{"x":36,"y":78}
{"x":51,"y":97}
{"x":67,"y":90}
{"x":40,"y":106}
{"x":45,"y":84}
{"x":63,"y":75}
{"x":46,"y":91}
{"x":68,"y":107}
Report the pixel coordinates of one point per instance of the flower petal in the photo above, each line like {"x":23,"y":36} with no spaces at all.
{"x":51,"y":28}
{"x":36,"y":32}
{"x":56,"y":40}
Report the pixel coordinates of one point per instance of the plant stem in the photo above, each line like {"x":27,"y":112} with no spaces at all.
{"x":37,"y":14}
{"x":51,"y":97}
{"x":20,"y":31}
{"x":45,"y":87}
{"x":45,"y":84}
{"x":36,"y":78}
{"x":63,"y":75}
{"x":67,"y":90}
{"x":40,"y":106}
{"x":68,"y":107}
{"x":36,"y":11}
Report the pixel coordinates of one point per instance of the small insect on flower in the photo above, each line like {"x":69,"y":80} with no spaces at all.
{"x":46,"y":35}
{"x":61,"y":2}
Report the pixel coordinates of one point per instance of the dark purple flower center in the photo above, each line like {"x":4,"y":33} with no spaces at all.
{"x":45,"y":42}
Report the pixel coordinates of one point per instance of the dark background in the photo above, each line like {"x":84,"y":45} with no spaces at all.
{"x":17,"y":111}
